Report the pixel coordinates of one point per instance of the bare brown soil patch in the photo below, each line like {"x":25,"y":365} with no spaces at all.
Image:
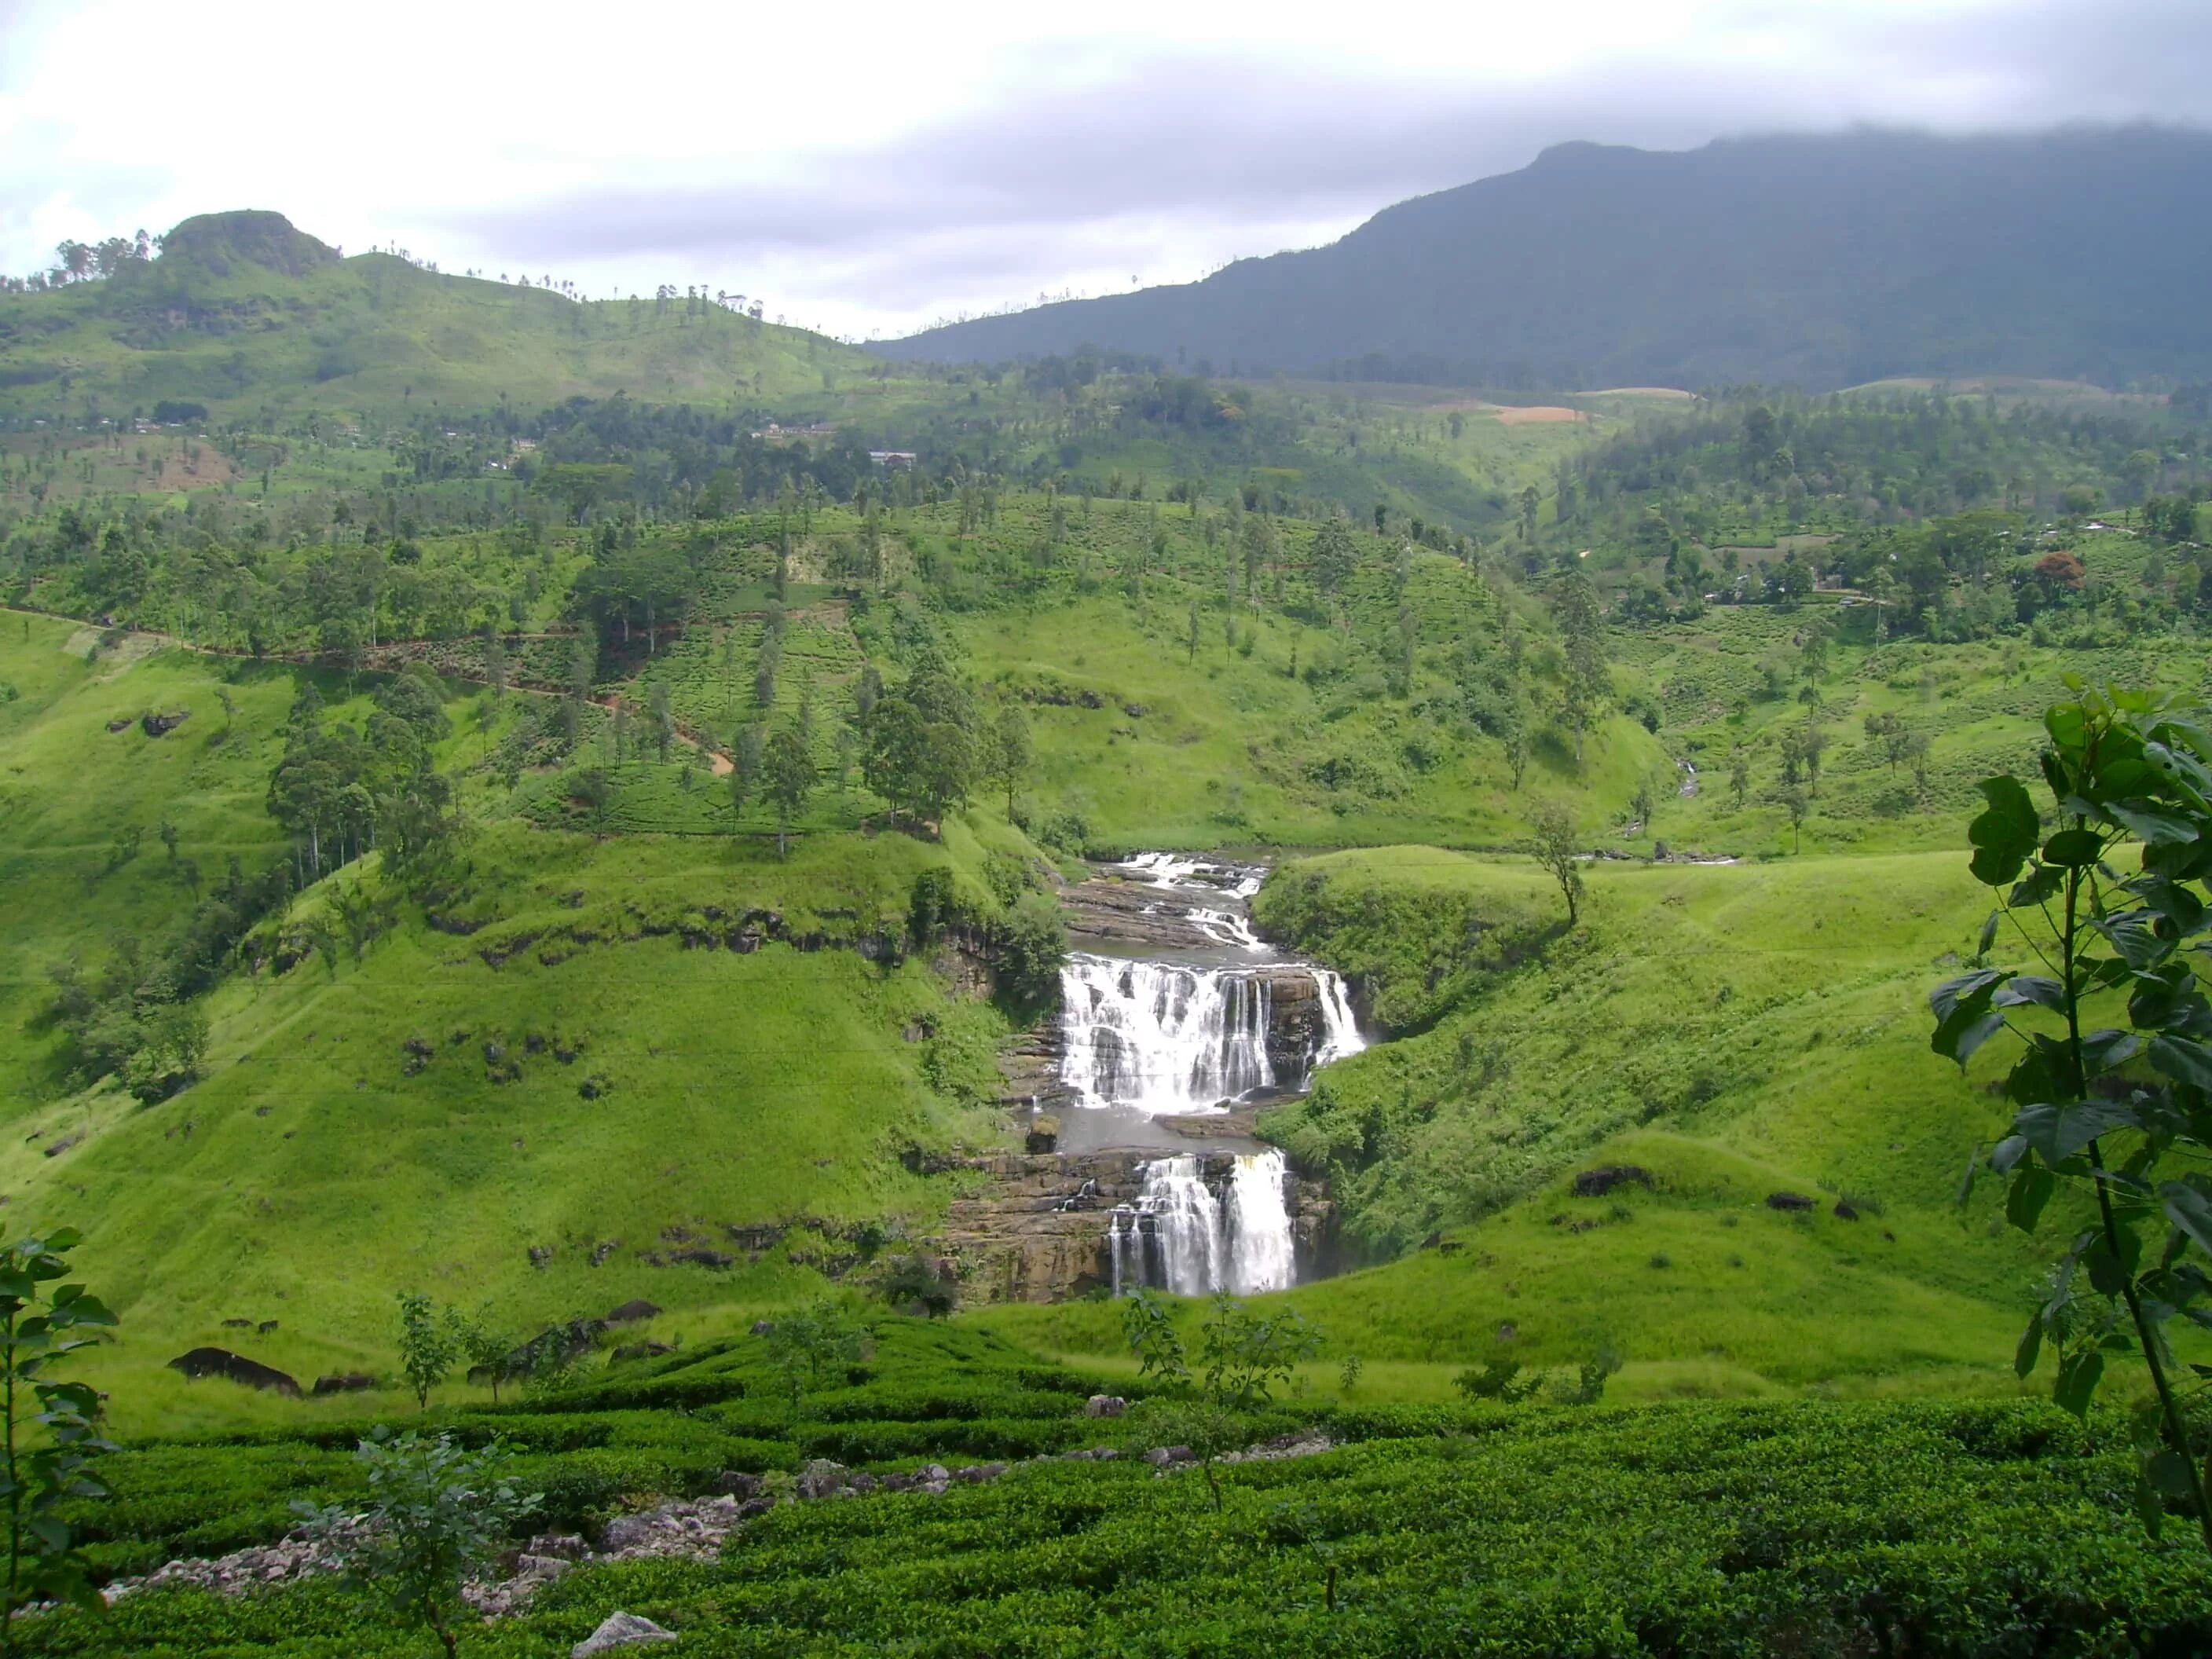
{"x":1538,"y":414}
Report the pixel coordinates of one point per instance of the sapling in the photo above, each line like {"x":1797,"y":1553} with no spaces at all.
{"x":2119,"y":1115}
{"x":39,"y":1326}
{"x":436,"y":1513}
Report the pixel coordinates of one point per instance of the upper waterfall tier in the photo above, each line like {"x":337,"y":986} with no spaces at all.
{"x":1209,"y":1014}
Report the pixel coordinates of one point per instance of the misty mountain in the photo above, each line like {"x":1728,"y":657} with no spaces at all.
{"x":1818,"y":261}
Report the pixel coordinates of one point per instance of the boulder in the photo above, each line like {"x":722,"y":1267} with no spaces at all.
{"x":620,"y":1630}
{"x":558,"y":1546}
{"x":343,"y":1383}
{"x":251,"y":1373}
{"x":1597,"y":1184}
{"x":1789,"y":1201}
{"x":1161,"y":1457}
{"x":1104,"y":1404}
{"x":639,"y":1351}
{"x":736,"y":1483}
{"x":631,"y":1311}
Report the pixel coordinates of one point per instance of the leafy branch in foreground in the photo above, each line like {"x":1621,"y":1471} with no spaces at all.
{"x":436,"y":1513}
{"x":2122,"y":1113}
{"x":42,"y":1565}
{"x":1242,"y":1355}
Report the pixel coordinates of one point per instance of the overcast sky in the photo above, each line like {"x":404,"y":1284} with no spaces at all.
{"x":869,"y":170}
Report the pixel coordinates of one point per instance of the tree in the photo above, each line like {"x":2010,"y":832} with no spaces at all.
{"x":1812,"y":743}
{"x":807,"y":1344}
{"x":1555,"y":848}
{"x":1739,"y":774}
{"x":663,"y":720}
{"x":39,"y":1326}
{"x":1516,"y":741}
{"x":1241,"y":1356}
{"x":1334,"y":557}
{"x":2120,"y":1115}
{"x":1797,"y":804}
{"x":1582,"y":629}
{"x":745,"y":770}
{"x":1010,"y":752}
{"x":487,"y":1349}
{"x":436,"y":1514}
{"x":787,"y":777}
{"x":430,"y":1344}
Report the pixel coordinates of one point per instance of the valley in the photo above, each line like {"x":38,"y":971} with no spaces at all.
{"x":1071,"y":1005}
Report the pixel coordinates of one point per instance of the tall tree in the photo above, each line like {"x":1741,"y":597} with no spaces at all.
{"x":1555,"y":848}
{"x":787,"y":778}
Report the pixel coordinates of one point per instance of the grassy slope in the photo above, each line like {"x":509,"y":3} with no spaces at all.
{"x":309,"y":1174}
{"x":374,"y":333}
{"x":67,"y":786}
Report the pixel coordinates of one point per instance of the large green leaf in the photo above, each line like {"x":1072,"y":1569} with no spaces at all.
{"x":2078,"y":1376}
{"x":2059,"y":1132}
{"x":2030,"y":989}
{"x":2183,"y":1060}
{"x":2074,"y":848}
{"x":2031,"y":1189}
{"x":2188,"y":1207}
{"x":2006,"y":834}
{"x":2152,"y":823}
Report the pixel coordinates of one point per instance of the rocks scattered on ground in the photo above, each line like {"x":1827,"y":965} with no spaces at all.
{"x":343,"y":1383}
{"x":122,"y":725}
{"x":299,"y":1554}
{"x":620,"y":1630}
{"x":1844,"y":1210}
{"x":160,"y":726}
{"x":221,"y":1362}
{"x":1789,"y":1201}
{"x":56,"y":1148}
{"x":686,"y":1529}
{"x":541,"y":1256}
{"x":1597,"y":1184}
{"x":640,"y":1351}
{"x":1104,"y":1404}
{"x":631,"y":1311}
{"x":603,"y":1249}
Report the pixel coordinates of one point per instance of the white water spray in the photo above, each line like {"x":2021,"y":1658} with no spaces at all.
{"x":1182,"y":1236}
{"x":1160,"y":1037}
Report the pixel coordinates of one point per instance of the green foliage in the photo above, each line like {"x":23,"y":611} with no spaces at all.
{"x":2120,"y":1114}
{"x":431,"y":1343}
{"x":49,"y":1429}
{"x":807,"y":1345}
{"x":435,"y":1513}
{"x":1558,"y":849}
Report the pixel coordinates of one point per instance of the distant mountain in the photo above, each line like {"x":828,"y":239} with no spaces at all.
{"x":1818,"y":261}
{"x":242,"y":313}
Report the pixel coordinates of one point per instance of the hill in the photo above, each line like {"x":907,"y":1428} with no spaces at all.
{"x":1819,"y":261}
{"x":241,"y":313}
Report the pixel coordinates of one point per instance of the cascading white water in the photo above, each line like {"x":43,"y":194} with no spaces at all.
{"x":1161,"y":1038}
{"x":1340,"y":1028}
{"x":1179,"y":1236}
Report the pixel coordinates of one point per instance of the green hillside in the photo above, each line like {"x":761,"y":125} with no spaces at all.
{"x":244,"y":315}
{"x":549,"y":857}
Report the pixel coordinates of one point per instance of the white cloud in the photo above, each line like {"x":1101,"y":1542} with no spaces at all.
{"x":875,"y":167}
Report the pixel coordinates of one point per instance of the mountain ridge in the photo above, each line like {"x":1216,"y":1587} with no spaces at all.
{"x":1824,"y":261}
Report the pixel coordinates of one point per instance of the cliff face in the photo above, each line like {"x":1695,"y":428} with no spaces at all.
{"x":1038,"y":1232}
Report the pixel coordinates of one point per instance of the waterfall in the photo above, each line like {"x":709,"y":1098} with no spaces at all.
{"x":1160,"y":1037}
{"x":1181,"y":1236}
{"x":1340,"y":1028}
